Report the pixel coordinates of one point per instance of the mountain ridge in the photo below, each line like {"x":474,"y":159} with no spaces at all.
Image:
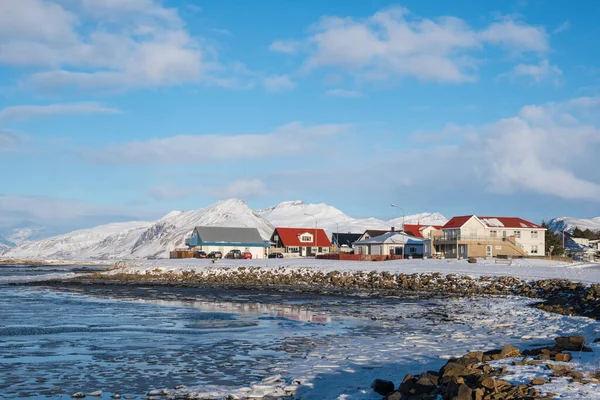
{"x":154,"y":239}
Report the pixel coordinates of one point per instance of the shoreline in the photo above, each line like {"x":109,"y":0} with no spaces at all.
{"x":559,"y":296}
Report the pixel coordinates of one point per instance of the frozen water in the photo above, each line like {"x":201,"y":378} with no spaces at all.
{"x":59,"y":340}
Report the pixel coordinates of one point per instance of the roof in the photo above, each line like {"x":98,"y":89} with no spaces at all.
{"x":391,"y":238}
{"x":374,"y":232}
{"x":457,"y":222}
{"x":219,"y":234}
{"x":291,"y":237}
{"x":493,"y":222}
{"x":416,"y":229}
{"x":345,"y":238}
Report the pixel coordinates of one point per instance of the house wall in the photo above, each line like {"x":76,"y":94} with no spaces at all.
{"x":430,"y":231}
{"x":475,"y":229}
{"x":389,"y":248}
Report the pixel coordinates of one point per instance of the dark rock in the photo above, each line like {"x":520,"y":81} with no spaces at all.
{"x":382,"y":387}
{"x":464,"y":393}
{"x":572,"y":343}
{"x":407,"y":385}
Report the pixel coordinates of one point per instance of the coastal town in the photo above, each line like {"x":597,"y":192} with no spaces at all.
{"x":462,"y":237}
{"x":299,"y":200}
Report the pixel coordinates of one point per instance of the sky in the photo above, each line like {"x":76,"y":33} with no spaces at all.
{"x":114,"y":110}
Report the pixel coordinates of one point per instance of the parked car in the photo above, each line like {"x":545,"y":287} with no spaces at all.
{"x":235,"y":254}
{"x":200,"y":254}
{"x":215,"y":254}
{"x":247,"y":255}
{"x":276,"y":255}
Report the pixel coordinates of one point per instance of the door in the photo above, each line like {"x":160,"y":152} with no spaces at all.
{"x":488,"y":251}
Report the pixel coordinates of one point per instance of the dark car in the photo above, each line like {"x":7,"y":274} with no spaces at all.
{"x":200,"y":254}
{"x":234,"y":254}
{"x":276,"y":255}
{"x":215,"y":254}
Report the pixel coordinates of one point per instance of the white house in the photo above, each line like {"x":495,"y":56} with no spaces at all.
{"x":475,"y":236}
{"x":224,"y":239}
{"x":394,"y":243}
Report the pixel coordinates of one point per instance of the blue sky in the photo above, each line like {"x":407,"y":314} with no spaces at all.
{"x":126,"y":109}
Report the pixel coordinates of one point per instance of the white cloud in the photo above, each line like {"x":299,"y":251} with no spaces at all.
{"x":281,"y":83}
{"x":516,"y":37}
{"x":546,"y":149}
{"x":393,"y":43}
{"x":290,"y":139}
{"x":535,"y":73}
{"x":62,"y":214}
{"x":285,"y":46}
{"x":104,"y":44}
{"x":344,"y":93}
{"x":20,"y":113}
{"x":242,"y":188}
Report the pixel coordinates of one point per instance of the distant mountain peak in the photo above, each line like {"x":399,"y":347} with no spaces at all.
{"x":568,"y":224}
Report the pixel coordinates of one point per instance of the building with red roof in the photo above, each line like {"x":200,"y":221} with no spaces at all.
{"x":478,"y":236}
{"x":301,"y":241}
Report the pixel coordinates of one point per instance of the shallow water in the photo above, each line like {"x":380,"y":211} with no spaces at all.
{"x":56,"y":340}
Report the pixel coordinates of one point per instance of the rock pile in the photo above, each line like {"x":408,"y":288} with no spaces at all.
{"x":471,"y":377}
{"x":560,"y":296}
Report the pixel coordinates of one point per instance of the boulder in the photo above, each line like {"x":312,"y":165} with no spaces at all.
{"x":538,"y":381}
{"x":563,"y":357}
{"x":408,"y":385}
{"x":464,"y":393}
{"x":509,"y":351}
{"x":382,"y":387}
{"x":572,"y":343}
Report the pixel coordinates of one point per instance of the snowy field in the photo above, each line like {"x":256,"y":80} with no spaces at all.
{"x":530,"y":269}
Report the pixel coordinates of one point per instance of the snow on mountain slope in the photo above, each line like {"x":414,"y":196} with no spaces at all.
{"x":156,"y":239}
{"x":142,"y":239}
{"x":422,"y":219}
{"x":170,"y":231}
{"x":292,"y":214}
{"x":76,"y":244}
{"x":568,"y":224}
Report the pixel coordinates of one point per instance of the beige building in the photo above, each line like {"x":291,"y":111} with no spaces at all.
{"x":473,"y":236}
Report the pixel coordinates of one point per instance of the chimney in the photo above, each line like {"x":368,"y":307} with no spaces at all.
{"x":393,"y":229}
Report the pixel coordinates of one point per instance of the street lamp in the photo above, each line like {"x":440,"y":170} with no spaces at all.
{"x":316,"y":233}
{"x":393,"y":205}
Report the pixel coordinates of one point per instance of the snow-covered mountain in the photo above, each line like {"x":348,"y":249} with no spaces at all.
{"x":156,"y":239}
{"x":297,"y":214}
{"x":142,"y":239}
{"x":569,"y":224}
{"x":421,"y":219}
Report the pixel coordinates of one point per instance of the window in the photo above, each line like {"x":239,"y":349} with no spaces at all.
{"x":534,"y":249}
{"x":517,"y":234}
{"x":412,"y":250}
{"x":306,"y":239}
{"x":534,"y":234}
{"x":493,"y":234}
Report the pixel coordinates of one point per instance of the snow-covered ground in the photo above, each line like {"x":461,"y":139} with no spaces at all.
{"x":406,"y":339}
{"x":529,"y":269}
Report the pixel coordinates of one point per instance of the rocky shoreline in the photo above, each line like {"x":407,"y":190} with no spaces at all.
{"x":478,"y":376}
{"x":554,"y":295}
